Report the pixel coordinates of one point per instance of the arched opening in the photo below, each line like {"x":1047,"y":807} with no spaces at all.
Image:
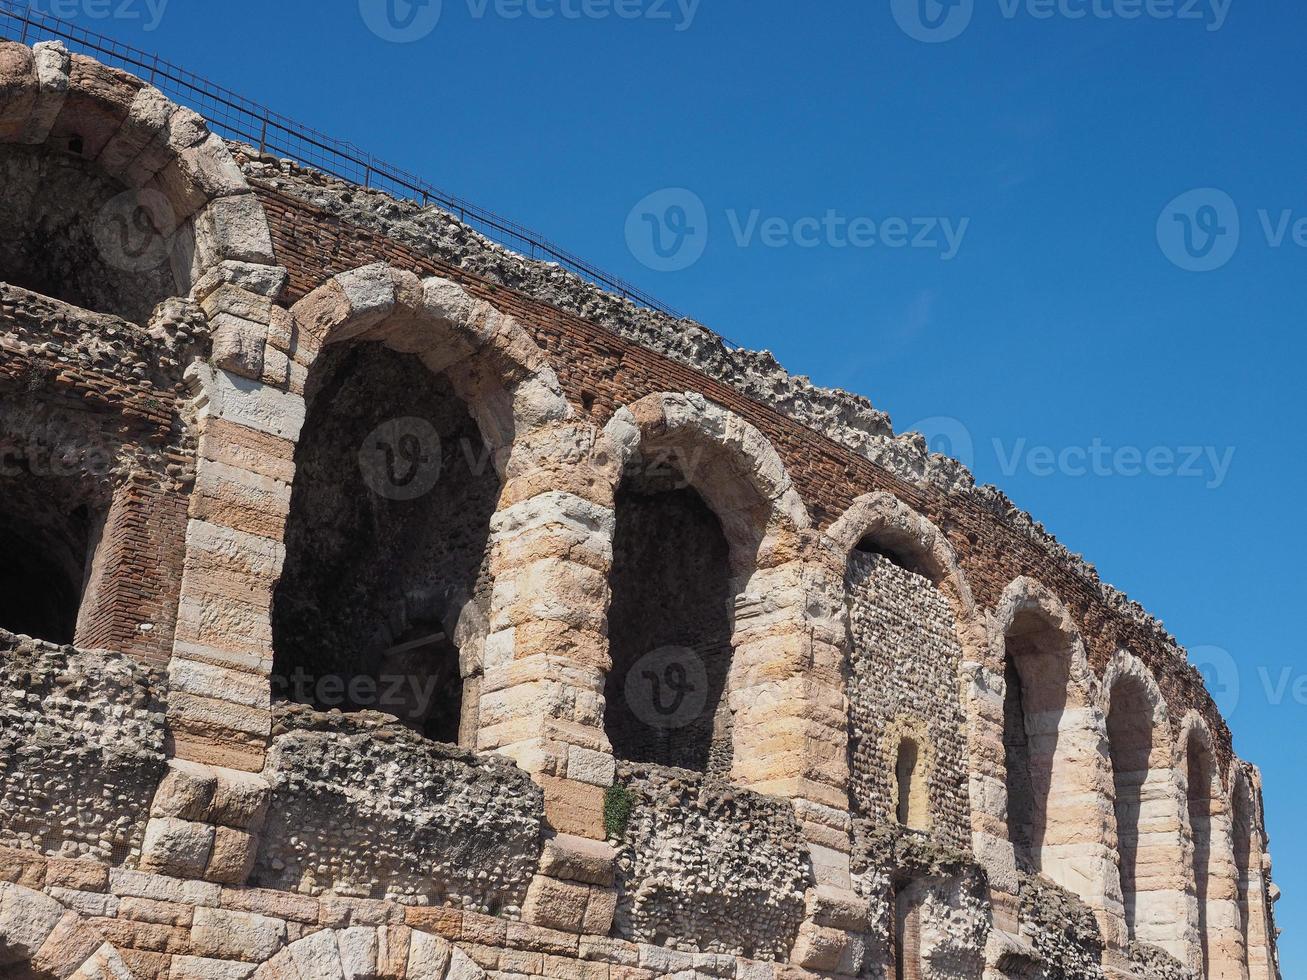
{"x":1201,"y":772}
{"x":1036,"y":669}
{"x":386,"y":579}
{"x":906,"y":605}
{"x":71,"y":232}
{"x":912,"y":808}
{"x":670,"y":623}
{"x":1130,"y":735}
{"x":49,"y":529}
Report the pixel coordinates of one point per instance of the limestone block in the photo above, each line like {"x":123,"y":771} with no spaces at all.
{"x":571,"y":858}
{"x":226,"y":935}
{"x":233,"y":856}
{"x":26,"y":917}
{"x":199,"y":174}
{"x":428,"y":957}
{"x":253,"y":404}
{"x":234,"y":228}
{"x":201,"y":968}
{"x":254,"y":277}
{"x":52,"y":63}
{"x":589,"y":766}
{"x":822,"y":948}
{"x":317,"y":957}
{"x":18,"y":88}
{"x":370,"y":293}
{"x":600,"y":910}
{"x":555,"y":904}
{"x":69,"y":946}
{"x":180,"y":848}
{"x":574,"y":808}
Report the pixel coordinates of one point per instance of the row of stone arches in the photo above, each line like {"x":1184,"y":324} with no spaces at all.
{"x":556,"y":594}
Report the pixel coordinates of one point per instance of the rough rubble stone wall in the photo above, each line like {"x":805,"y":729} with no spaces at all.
{"x":81,"y":749}
{"x":59,"y":225}
{"x":671,"y":588}
{"x":321,"y":227}
{"x":1062,"y":930}
{"x":895,"y":872}
{"x":708,"y":867}
{"x":903,"y":682}
{"x":362,"y":806}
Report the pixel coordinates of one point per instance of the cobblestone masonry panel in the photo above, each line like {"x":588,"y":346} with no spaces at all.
{"x":81,"y":749}
{"x":903,"y":681}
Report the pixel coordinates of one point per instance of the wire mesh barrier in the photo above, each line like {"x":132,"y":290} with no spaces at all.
{"x":235,"y":117}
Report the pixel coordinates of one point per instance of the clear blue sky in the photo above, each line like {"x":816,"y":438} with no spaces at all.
{"x":1060,"y":321}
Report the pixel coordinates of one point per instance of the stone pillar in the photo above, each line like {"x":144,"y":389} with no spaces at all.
{"x":208,"y":811}
{"x":546,"y":660}
{"x":1226,"y":956}
{"x":1165,"y":912}
{"x":983,"y":692}
{"x":546,"y":654}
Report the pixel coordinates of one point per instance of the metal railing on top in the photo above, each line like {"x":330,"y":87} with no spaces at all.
{"x":236,"y":117}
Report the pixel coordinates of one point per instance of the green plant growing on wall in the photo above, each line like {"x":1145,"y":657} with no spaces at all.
{"x":618,"y":803}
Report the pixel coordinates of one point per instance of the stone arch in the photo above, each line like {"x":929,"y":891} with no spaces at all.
{"x":726,"y":460}
{"x":1061,"y":818}
{"x":384,"y":352}
{"x":50,"y":941}
{"x":183,"y":209}
{"x":884,"y":549}
{"x":386,"y":953}
{"x":1149,"y":808}
{"x":1213,"y":871}
{"x":727,"y":508}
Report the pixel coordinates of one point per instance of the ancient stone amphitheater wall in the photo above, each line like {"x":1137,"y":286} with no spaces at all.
{"x":370,"y":658}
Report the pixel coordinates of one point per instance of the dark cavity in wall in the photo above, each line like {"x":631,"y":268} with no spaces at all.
{"x":47,"y":530}
{"x":386,"y":545}
{"x":669,"y":628}
{"x":70,"y":232}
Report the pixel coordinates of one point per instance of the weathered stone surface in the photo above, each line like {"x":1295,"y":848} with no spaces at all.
{"x":73,"y":775}
{"x":443,"y":825}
